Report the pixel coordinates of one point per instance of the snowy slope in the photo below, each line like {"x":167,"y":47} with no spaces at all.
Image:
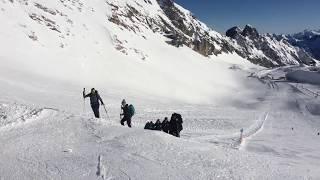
{"x":79,"y":42}
{"x":52,"y":135}
{"x":108,"y":35}
{"x":50,"y":50}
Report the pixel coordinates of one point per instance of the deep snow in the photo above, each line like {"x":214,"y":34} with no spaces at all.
{"x":47,"y":131}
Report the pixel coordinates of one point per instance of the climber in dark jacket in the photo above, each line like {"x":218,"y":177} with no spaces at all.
{"x":125,"y":113}
{"x":94,"y":101}
{"x":158,"y":125}
{"x":166,"y":125}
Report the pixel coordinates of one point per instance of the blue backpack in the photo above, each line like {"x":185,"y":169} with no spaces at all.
{"x":132,"y":111}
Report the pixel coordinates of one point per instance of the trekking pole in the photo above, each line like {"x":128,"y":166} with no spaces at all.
{"x":84,"y":101}
{"x":241,"y":135}
{"x":106,"y":112}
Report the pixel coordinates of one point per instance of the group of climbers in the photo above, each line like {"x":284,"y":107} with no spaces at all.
{"x":173,"y":127}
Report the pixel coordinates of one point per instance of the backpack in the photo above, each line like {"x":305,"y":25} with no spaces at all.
{"x":132,"y":111}
{"x":147,"y":126}
{"x":176,"y":122}
{"x":179,"y":119}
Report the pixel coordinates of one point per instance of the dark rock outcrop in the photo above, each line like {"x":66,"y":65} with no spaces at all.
{"x":250,"y":32}
{"x":307,"y":40}
{"x":234,"y":32}
{"x":181,"y":28}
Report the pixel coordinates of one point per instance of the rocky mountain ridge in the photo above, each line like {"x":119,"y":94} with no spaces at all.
{"x":131,"y":21}
{"x":309,"y":40}
{"x":266,"y":49}
{"x":181,"y":27}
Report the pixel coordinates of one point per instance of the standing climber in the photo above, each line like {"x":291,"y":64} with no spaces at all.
{"x":94,"y":101}
{"x":127,"y":112}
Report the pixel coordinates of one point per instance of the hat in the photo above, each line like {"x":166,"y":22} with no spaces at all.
{"x":123,"y":102}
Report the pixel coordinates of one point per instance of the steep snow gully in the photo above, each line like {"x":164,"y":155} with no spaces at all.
{"x":279,"y":139}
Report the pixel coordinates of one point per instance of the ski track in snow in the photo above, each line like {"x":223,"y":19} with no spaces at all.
{"x":233,"y":140}
{"x":82,"y":147}
{"x":52,"y":170}
{"x":47,"y":68}
{"x":104,"y":141}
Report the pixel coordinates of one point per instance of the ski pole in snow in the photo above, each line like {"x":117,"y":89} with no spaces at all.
{"x":105,"y":109}
{"x":241,"y":135}
{"x":84,"y":100}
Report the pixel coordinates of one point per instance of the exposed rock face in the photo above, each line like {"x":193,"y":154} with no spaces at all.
{"x":250,"y":32}
{"x":191,"y":32}
{"x":175,"y":23}
{"x":233,"y":32}
{"x":143,"y":18}
{"x":266,"y":49}
{"x":307,"y":40}
{"x":182,"y":28}
{"x":263,"y":50}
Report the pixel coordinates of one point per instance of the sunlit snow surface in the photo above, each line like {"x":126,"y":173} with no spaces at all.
{"x":47,"y":131}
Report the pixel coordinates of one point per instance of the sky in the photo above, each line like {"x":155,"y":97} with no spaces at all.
{"x":268,"y":16}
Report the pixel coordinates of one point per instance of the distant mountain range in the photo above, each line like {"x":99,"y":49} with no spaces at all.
{"x":267,"y":50}
{"x":308,"y":40}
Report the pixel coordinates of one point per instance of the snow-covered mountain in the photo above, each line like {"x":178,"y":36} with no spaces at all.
{"x":266,"y":49}
{"x":131,"y":27}
{"x":172,"y":21}
{"x":182,"y":28}
{"x":119,"y":45}
{"x":309,"y":40}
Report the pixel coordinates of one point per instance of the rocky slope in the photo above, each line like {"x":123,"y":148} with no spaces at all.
{"x":266,"y":49}
{"x":308,"y":40}
{"x":182,"y":28}
{"x":173,"y":22}
{"x":130,"y":24}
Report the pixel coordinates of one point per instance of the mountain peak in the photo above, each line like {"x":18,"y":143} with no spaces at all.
{"x":143,"y":21}
{"x":250,"y":31}
{"x":233,"y":32}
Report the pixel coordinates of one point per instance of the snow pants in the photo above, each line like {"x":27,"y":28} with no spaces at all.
{"x":126,"y":119}
{"x":95,"y":109}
